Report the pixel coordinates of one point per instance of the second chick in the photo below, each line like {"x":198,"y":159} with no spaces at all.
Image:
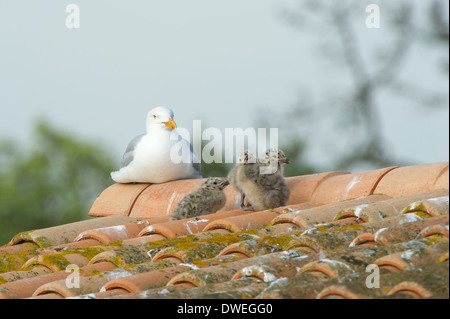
{"x":208,"y":199}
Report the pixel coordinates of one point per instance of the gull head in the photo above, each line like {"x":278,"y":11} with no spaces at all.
{"x":246,"y":157}
{"x":160,"y":117}
{"x":215,"y":183}
{"x":274,"y":155}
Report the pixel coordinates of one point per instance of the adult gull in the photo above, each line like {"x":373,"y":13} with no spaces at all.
{"x":160,"y":155}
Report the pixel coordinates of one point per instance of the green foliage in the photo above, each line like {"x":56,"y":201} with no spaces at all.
{"x":54,"y":182}
{"x":295,"y":151}
{"x":215,"y":169}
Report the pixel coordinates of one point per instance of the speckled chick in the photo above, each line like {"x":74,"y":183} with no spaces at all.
{"x":275,"y":190}
{"x":208,"y":199}
{"x":271,"y":166}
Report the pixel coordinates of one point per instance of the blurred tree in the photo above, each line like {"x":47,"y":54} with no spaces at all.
{"x":352,"y":114}
{"x":54,"y":182}
{"x":215,"y":169}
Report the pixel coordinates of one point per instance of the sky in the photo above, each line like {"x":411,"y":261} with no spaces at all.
{"x":226,"y":63}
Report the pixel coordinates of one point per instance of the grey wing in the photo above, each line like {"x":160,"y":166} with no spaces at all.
{"x":128,"y":156}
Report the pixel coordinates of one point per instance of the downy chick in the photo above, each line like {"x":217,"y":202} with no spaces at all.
{"x":271,"y":166}
{"x":276,"y":192}
{"x":243,"y":174}
{"x":208,"y":199}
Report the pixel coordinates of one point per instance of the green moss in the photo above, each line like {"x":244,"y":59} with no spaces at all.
{"x":15,"y":261}
{"x":280,"y":242}
{"x":89,"y":252}
{"x":436,"y":239}
{"x":230,"y":239}
{"x":8,"y":263}
{"x":56,"y":260}
{"x":419,"y":210}
{"x":345,"y":228}
{"x":59,"y":261}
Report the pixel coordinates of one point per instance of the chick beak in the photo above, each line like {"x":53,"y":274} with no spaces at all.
{"x":286,"y":161}
{"x":170,"y":123}
{"x":224,"y":184}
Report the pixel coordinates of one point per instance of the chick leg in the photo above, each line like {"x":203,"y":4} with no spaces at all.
{"x":243,"y":207}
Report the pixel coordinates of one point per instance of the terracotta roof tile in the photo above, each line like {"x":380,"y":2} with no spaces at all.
{"x":433,"y":206}
{"x":413,"y":258}
{"x":335,"y":224}
{"x":416,"y":179}
{"x":118,"y":199}
{"x":325,"y":213}
{"x":342,"y":187}
{"x":186,"y":226}
{"x":303,"y":187}
{"x":243,"y":222}
{"x":112,"y":233}
{"x":436,"y":282}
{"x":66,"y":233}
{"x":87,"y":284}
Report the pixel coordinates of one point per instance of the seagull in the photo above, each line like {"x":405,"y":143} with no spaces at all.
{"x":208,"y":199}
{"x":154,"y":157}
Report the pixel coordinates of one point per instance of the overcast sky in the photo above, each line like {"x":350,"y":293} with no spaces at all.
{"x":217,"y":61}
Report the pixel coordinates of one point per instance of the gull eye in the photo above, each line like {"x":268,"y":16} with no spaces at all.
{"x":154,"y":116}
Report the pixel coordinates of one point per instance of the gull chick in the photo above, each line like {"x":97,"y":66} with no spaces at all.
{"x":244,"y":175}
{"x":271,"y":165}
{"x":208,"y":199}
{"x":263,"y":185}
{"x":276,"y":192}
{"x":154,"y":157}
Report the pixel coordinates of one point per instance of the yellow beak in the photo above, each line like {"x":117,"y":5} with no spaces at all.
{"x":170,"y":123}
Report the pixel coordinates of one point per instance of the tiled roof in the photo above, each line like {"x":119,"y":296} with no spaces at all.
{"x":339,"y":236}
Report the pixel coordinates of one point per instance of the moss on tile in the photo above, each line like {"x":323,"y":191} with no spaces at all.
{"x":129,"y":256}
{"x":56,"y":260}
{"x":150,"y":266}
{"x":59,"y":261}
{"x":89,"y":252}
{"x":230,"y":238}
{"x":436,"y":239}
{"x":15,"y":261}
{"x":417,"y":209}
{"x":280,"y":242}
